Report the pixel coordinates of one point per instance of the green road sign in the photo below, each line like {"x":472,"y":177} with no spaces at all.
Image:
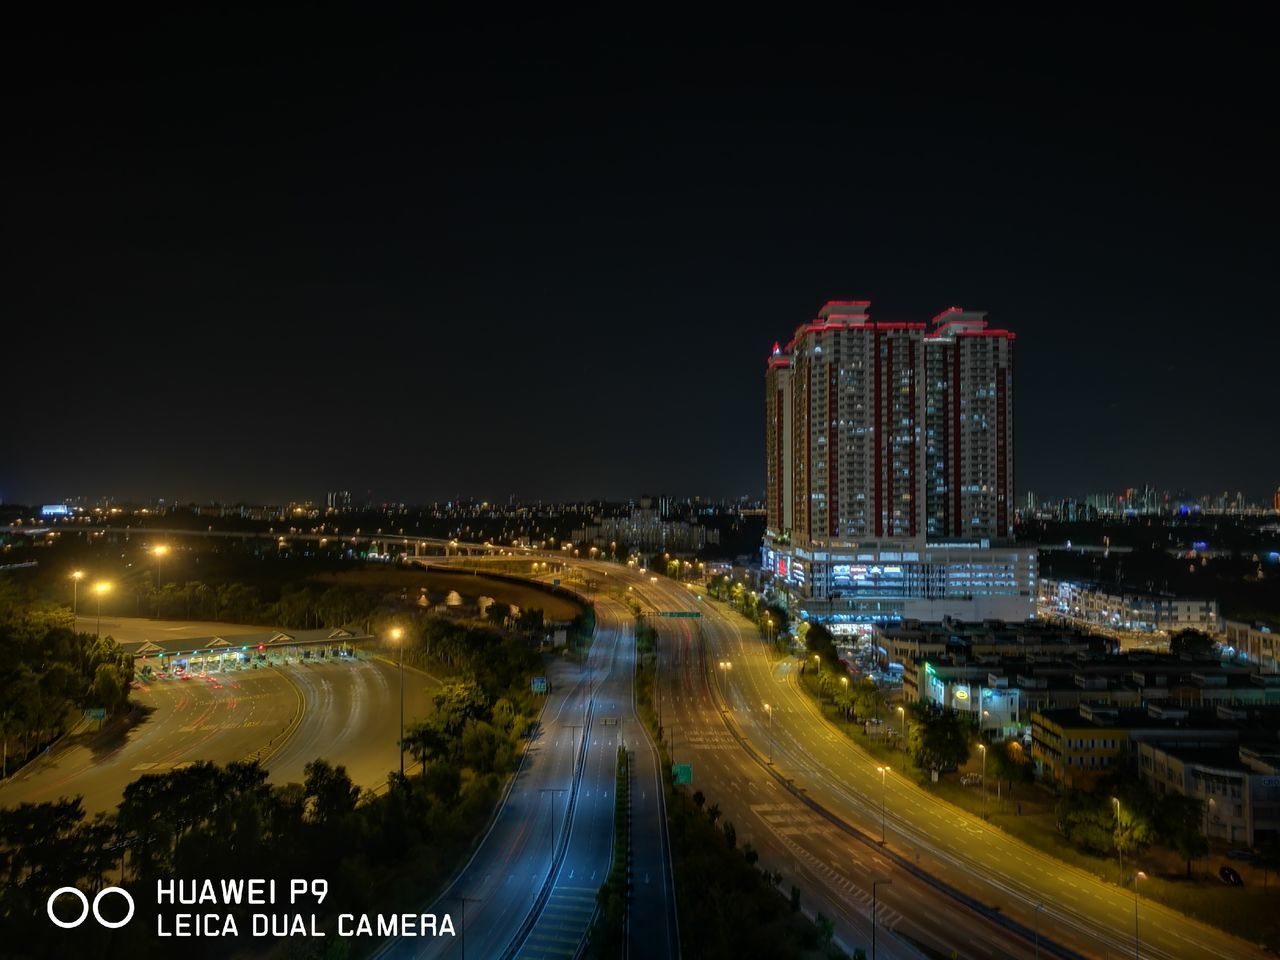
{"x":682,"y":773}
{"x":95,"y":713}
{"x":538,"y":684}
{"x":680,"y":614}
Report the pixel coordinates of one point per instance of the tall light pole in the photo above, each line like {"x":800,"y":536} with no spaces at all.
{"x":882,"y":771}
{"x":76,"y":577}
{"x":874,"y":885}
{"x":903,"y":710}
{"x":397,"y":634}
{"x":844,"y":682}
{"x":159,"y":551}
{"x":1137,"y":943}
{"x":769,"y":710}
{"x":725,"y":667}
{"x":983,"y":748}
{"x":100,"y":588}
{"x":1036,"y":914}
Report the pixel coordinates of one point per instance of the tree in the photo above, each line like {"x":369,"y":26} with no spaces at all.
{"x":867,"y":701}
{"x":108,"y":688}
{"x":1193,"y":643}
{"x":1180,"y":820}
{"x":939,"y":737}
{"x":498,"y":613}
{"x":1010,"y":762}
{"x":332,"y":794}
{"x":1087,"y":820}
{"x":531,"y":621}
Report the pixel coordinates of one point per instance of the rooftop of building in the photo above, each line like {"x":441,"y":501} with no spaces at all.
{"x":1254,"y":724}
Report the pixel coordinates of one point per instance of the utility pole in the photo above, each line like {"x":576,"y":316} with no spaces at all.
{"x":462,"y":927}
{"x":551,"y":792}
{"x":874,"y":885}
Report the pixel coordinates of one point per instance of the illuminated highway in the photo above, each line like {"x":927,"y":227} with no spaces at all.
{"x":499,"y":888}
{"x":563,"y":921}
{"x":1080,"y":912}
{"x":517,"y":900}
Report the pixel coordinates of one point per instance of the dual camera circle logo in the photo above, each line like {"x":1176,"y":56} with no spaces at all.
{"x":86,"y":908}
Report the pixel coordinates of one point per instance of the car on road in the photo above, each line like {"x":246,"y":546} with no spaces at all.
{"x":1230,"y":877}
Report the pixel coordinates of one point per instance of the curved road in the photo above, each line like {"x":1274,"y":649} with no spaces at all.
{"x":343,"y":710}
{"x":1079,"y":911}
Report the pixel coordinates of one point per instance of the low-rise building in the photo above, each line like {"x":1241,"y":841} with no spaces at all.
{"x":1124,"y":609}
{"x":1076,"y":747}
{"x":1257,"y":644}
{"x":1238,"y":786}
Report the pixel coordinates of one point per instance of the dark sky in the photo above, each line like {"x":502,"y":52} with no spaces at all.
{"x":262,"y":258}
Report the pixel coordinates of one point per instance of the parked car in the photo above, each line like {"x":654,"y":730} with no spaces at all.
{"x":1230,"y":877}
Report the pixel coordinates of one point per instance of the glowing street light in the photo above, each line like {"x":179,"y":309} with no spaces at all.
{"x":159,"y":552}
{"x":100,"y":588}
{"x":76,"y":577}
{"x":903,"y":710}
{"x":769,"y":710}
{"x":983,"y":748}
{"x":725,"y":667}
{"x":844,"y":682}
{"x":1137,"y":943}
{"x":396,"y":635}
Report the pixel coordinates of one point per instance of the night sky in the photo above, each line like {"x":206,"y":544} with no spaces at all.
{"x":264,"y":258}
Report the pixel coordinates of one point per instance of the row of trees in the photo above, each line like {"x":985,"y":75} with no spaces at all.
{"x":48,"y":673}
{"x":751,"y":605}
{"x":297,"y":606}
{"x":1123,"y":816}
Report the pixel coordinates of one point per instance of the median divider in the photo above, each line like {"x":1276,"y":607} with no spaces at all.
{"x":561,"y":849}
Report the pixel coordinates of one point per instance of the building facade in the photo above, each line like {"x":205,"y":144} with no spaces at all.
{"x":1115,"y":608}
{"x":889,"y":470}
{"x":1257,"y":644}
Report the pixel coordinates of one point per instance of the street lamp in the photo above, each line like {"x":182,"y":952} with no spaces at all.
{"x":882,"y":771}
{"x":874,"y":884}
{"x":396,"y":635}
{"x":983,"y":748}
{"x":1036,"y":914}
{"x":903,"y":710}
{"x":818,"y":660}
{"x":725,"y":667}
{"x":159,"y":552}
{"x":99,"y":588}
{"x":844,"y":682}
{"x":1137,"y":943}
{"x":76,"y":577}
{"x":769,"y":710}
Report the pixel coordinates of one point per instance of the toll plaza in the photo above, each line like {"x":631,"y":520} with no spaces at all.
{"x":196,"y":656}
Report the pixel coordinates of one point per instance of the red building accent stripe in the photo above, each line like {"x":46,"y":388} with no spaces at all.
{"x":955,"y":440}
